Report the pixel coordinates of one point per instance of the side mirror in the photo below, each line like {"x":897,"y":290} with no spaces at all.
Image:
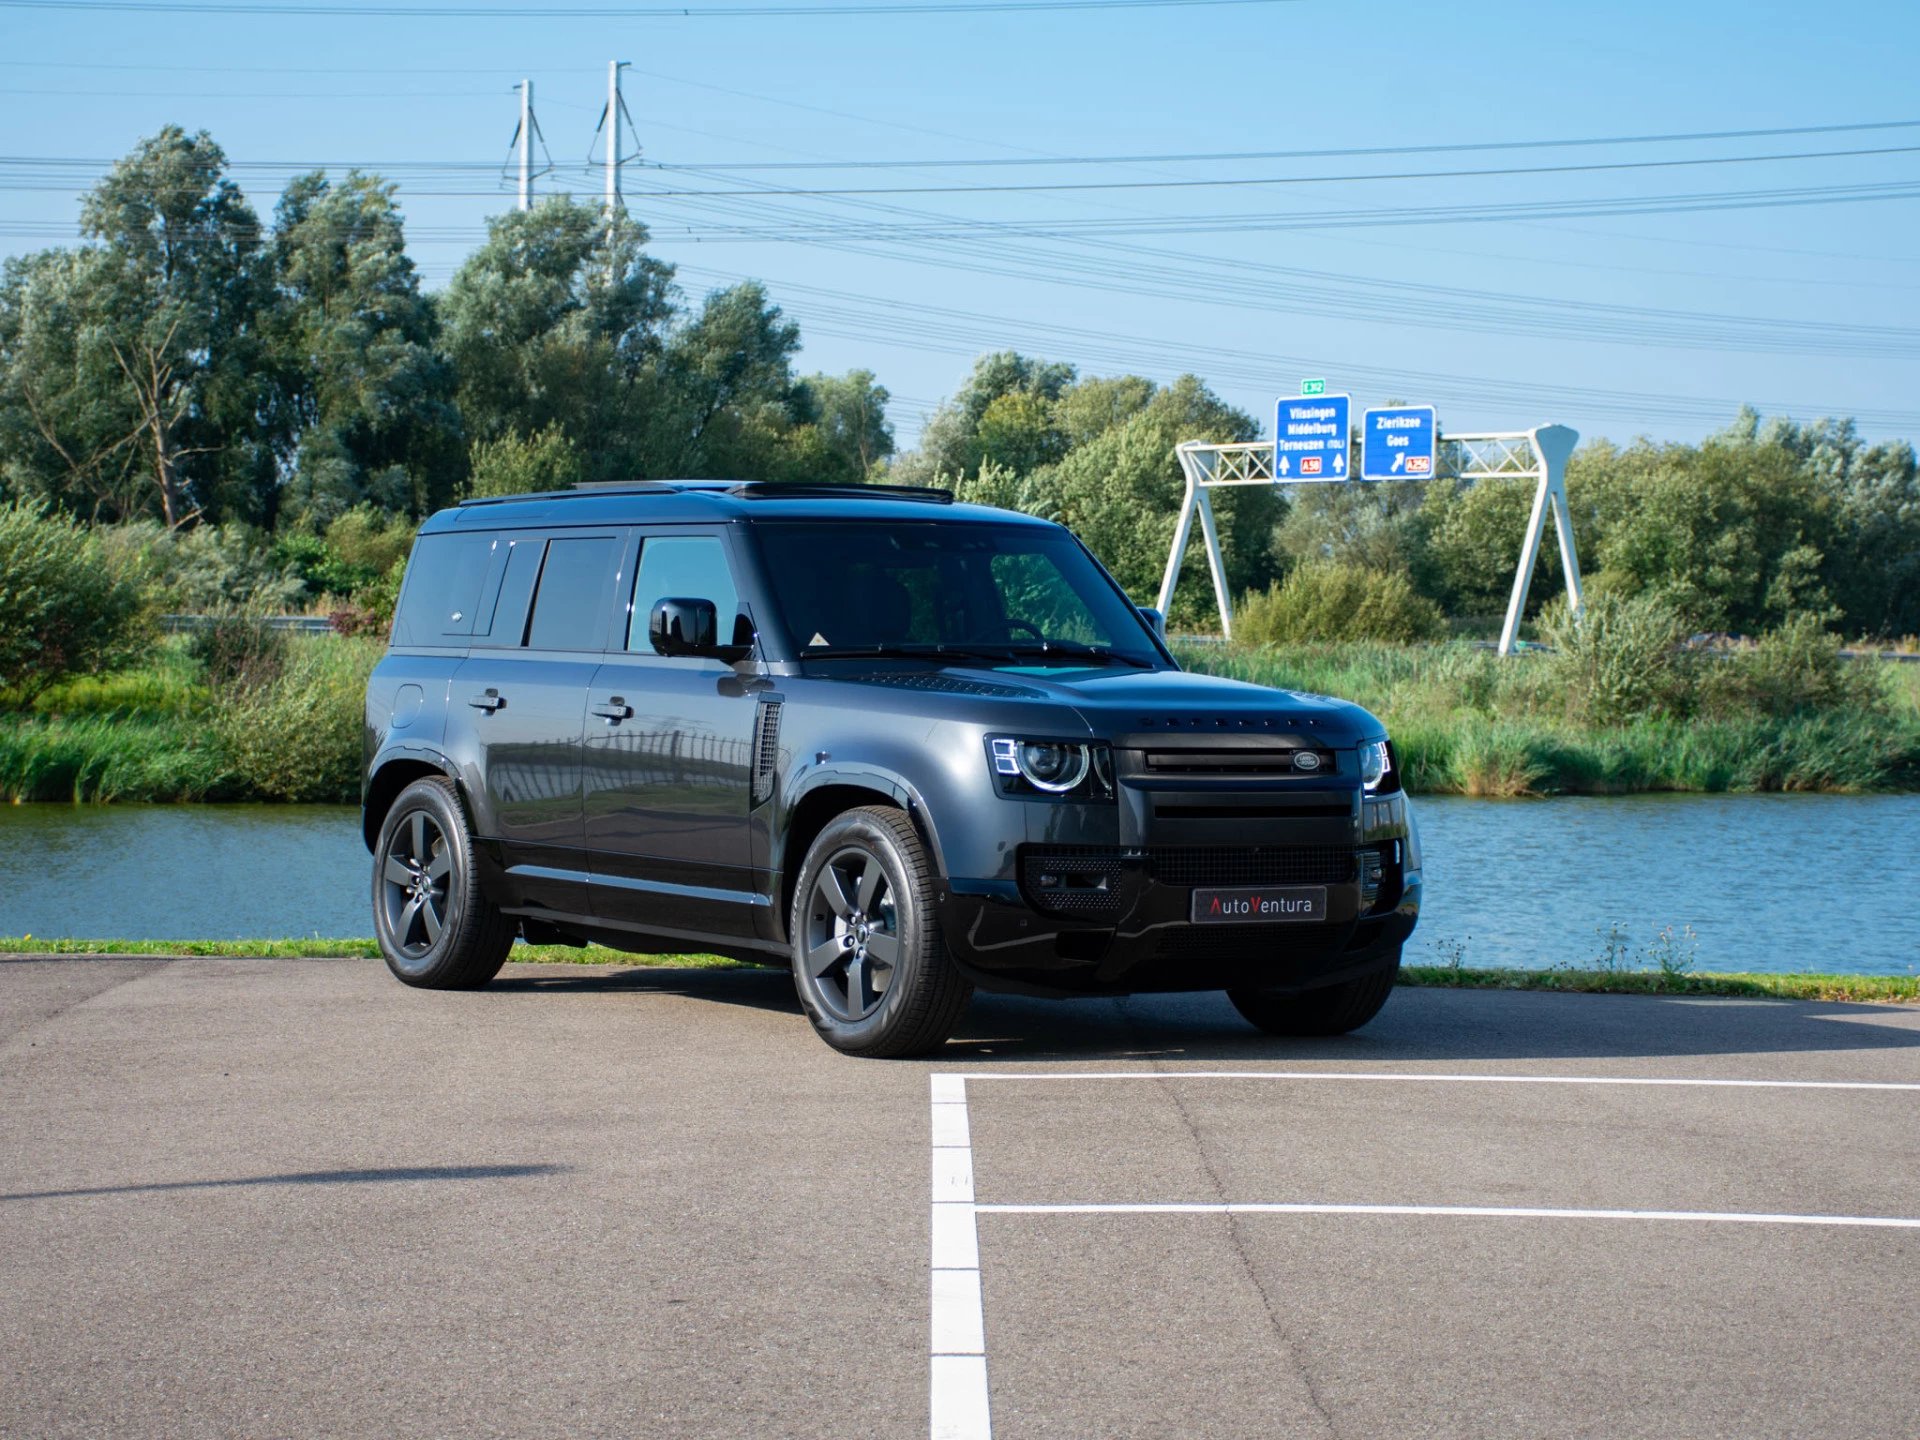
{"x":1156,"y":621}
{"x":680,"y":625}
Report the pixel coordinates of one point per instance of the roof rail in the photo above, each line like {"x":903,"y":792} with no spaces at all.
{"x":785,"y":489}
{"x":739,"y":489}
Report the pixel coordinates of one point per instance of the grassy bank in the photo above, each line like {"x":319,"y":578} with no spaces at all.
{"x":1466,"y":722}
{"x":282,"y":723}
{"x":1894,"y":989}
{"x":1469,"y":722}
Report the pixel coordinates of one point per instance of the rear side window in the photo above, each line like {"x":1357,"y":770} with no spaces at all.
{"x":509,"y":623}
{"x":571,"y":600}
{"x":444,"y":577}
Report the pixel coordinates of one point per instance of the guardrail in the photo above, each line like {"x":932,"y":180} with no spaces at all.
{"x":299,"y":624}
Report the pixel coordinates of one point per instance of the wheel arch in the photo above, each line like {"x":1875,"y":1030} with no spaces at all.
{"x":834,"y":792}
{"x":392,"y":775}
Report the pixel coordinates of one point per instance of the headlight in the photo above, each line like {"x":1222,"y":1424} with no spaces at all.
{"x":1374,"y":763}
{"x":1066,"y":769}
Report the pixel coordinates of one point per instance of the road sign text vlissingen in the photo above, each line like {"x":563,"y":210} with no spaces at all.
{"x":1399,"y":444}
{"x":1310,"y":438}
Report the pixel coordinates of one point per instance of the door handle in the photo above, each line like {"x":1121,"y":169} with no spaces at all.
{"x":614,"y":711}
{"x":487,"y":700}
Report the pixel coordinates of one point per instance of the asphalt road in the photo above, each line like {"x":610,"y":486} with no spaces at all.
{"x":292,"y":1198}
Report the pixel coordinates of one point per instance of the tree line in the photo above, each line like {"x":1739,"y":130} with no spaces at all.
{"x":219,"y":379}
{"x":193,"y":365}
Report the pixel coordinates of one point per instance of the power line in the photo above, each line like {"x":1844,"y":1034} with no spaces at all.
{"x":1236,"y":156}
{"x":1243,"y":181}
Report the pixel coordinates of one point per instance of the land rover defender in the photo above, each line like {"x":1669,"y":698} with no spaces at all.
{"x":904,"y":746}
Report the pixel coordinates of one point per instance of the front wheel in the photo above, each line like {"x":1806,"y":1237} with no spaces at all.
{"x":1330,"y":1010}
{"x":436,"y":928}
{"x":869,"y":960}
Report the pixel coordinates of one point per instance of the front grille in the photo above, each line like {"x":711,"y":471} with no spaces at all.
{"x":1211,"y":866}
{"x":1267,"y":760}
{"x":1218,"y":865}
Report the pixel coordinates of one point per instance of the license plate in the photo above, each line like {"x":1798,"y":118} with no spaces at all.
{"x":1260,"y":904}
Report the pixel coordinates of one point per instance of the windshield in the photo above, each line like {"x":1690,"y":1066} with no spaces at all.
{"x":1015,"y":593}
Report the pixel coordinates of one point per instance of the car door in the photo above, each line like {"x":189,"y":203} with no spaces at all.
{"x":523,"y":694}
{"x":669,"y":757}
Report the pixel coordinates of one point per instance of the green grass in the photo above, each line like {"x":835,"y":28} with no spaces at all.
{"x":1466,"y":721}
{"x":106,"y":757}
{"x":342,"y":949}
{"x":1883,"y":989}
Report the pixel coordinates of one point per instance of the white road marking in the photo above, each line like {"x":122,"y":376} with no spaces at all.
{"x":960,"y":1398}
{"x":1505,"y":1212}
{"x":957,"y":1406}
{"x":1417,"y":1078}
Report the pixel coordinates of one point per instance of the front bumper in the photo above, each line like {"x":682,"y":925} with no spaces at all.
{"x":1135,"y":933}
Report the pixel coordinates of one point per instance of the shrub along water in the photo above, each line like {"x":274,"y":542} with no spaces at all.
{"x":236,"y":718}
{"x":1466,"y":721}
{"x":200,"y":720}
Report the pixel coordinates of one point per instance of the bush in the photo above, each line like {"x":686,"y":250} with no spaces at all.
{"x":207,"y":569}
{"x":239,"y":651}
{"x":298,"y":737}
{"x":1792,"y":670}
{"x":1328,"y":600}
{"x":1621,"y":660}
{"x":64,"y":609}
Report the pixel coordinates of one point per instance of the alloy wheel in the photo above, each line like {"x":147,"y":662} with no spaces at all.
{"x":852,"y":934}
{"x":415,"y":879}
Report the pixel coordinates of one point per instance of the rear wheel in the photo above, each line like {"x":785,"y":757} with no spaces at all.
{"x":436,"y":928}
{"x":869,"y":960}
{"x":1330,"y":1010}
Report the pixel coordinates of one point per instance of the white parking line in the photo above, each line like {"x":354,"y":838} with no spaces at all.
{"x":1421,"y":1078}
{"x":957,"y":1387}
{"x":1505,"y":1212}
{"x":958,"y":1397}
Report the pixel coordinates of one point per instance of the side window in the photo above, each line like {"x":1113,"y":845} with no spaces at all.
{"x":686,"y":567}
{"x":445,"y":574}
{"x":571,"y":601}
{"x":509,"y":621}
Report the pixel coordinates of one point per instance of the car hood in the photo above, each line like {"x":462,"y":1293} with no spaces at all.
{"x":1126,"y":705}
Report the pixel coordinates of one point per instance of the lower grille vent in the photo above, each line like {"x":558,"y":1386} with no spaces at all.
{"x":1086,"y":884}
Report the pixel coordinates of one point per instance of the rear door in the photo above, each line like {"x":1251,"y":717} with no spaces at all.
{"x":523,"y":693}
{"x":669,"y":757}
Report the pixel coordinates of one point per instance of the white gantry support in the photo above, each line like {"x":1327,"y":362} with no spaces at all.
{"x":1538,"y":454}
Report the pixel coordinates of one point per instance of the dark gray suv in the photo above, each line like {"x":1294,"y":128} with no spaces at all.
{"x":905,"y":746}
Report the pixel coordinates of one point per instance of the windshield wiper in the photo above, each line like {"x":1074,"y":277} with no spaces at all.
{"x":1079,"y":651}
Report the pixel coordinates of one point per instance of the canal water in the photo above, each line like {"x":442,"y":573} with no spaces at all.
{"x":1767,"y":882}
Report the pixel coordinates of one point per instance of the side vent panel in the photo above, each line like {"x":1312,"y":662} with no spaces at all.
{"x":766,"y":749}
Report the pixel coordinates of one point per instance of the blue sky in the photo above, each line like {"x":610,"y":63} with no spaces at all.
{"x":1620,"y":325}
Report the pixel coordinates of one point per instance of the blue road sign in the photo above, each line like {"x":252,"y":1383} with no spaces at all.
{"x":1399,"y":444}
{"x":1310,"y":438}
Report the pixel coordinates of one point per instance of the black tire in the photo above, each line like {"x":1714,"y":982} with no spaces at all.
{"x":869,"y":961}
{"x":1330,"y":1010}
{"x":436,"y":928}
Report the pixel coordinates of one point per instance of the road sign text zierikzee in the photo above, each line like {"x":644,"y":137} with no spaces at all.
{"x":1310,"y":438}
{"x":1400,"y":443}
